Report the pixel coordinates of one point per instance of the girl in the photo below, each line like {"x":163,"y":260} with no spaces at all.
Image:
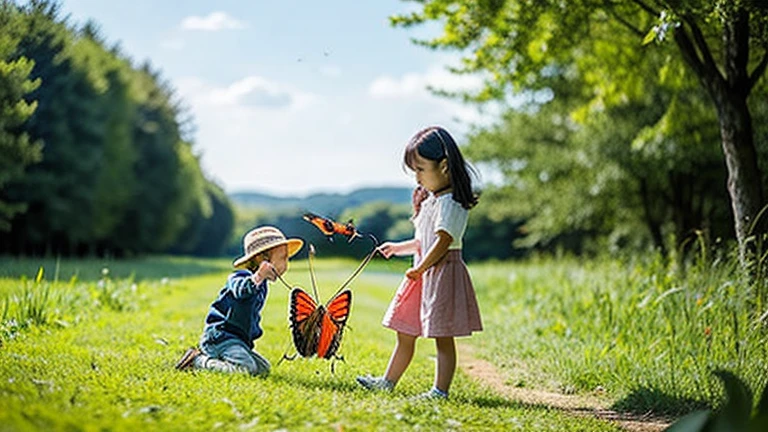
{"x":436,"y":299}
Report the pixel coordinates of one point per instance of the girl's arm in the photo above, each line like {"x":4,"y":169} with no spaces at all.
{"x":407,"y":247}
{"x":435,"y":253}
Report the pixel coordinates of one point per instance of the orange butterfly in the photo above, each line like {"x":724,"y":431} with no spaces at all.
{"x":329,"y":227}
{"x":317,"y":329}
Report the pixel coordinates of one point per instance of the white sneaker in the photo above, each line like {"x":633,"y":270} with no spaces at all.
{"x":375,"y":383}
{"x":433,"y":394}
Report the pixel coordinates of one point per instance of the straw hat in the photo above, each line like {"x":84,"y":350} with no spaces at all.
{"x":263,"y":238}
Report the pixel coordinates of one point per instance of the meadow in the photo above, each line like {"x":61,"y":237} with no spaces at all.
{"x":90,"y":345}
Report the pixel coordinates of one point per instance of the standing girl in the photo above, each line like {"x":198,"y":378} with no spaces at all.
{"x":436,"y":299}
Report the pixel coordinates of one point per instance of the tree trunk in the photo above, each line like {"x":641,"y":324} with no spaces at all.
{"x":744,"y":178}
{"x":730,"y":91}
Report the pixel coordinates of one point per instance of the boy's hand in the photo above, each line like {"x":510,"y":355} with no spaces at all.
{"x":265,"y":271}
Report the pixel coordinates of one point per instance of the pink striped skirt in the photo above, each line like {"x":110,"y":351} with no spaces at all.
{"x":440,"y":304}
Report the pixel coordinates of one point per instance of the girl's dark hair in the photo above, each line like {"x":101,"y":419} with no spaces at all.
{"x":435,"y":143}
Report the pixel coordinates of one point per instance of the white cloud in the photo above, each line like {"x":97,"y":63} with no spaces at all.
{"x":415,"y":84}
{"x":215,"y":21}
{"x":251,"y":92}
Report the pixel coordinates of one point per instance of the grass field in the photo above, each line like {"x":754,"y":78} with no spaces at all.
{"x":92,"y":366}
{"x":88,"y":349}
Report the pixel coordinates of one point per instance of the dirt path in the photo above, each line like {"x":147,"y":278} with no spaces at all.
{"x":488,"y":374}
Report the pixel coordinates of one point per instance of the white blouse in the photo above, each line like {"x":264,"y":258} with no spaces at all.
{"x":440,"y":214}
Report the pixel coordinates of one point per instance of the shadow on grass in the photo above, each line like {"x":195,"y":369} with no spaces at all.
{"x":323,"y":380}
{"x":652,"y":400}
{"x":92,"y":269}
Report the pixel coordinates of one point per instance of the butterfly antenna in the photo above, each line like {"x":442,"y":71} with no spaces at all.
{"x":312,"y":270}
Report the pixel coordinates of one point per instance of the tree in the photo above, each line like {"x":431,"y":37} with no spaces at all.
{"x":522,"y":44}
{"x":115,"y":173}
{"x":18,"y":150}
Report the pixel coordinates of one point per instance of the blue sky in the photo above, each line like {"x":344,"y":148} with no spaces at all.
{"x":292,"y":97}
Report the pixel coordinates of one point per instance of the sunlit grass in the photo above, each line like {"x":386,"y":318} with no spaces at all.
{"x":645,"y":334}
{"x":112,"y":368}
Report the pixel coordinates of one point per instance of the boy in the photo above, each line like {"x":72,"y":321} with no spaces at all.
{"x":234,"y":318}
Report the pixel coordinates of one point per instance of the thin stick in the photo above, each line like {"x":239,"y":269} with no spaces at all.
{"x":312,"y":271}
{"x":362,"y":265}
{"x":281,"y":279}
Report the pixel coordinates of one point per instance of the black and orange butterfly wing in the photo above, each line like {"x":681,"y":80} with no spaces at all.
{"x":326,"y":226}
{"x":330,"y":227}
{"x":305,"y":318}
{"x":332,"y":326}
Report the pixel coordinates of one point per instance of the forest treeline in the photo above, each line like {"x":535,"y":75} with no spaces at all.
{"x":97,"y":157}
{"x":622,"y":142}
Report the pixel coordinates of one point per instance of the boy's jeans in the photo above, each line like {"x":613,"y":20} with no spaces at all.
{"x":229,"y":355}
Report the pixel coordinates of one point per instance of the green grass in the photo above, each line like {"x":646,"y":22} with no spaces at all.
{"x":641,"y":333}
{"x":103,"y":357}
{"x":66,"y":269}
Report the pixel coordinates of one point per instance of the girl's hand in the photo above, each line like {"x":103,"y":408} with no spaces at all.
{"x":413,"y":273}
{"x":387,"y":249}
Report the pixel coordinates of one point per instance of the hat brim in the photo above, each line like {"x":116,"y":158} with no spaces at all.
{"x":294,"y":246}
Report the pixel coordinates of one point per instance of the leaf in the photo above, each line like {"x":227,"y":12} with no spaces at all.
{"x":693,"y":422}
{"x":759,"y":423}
{"x":667,"y":293}
{"x":39,"y":276}
{"x":734,"y":415}
{"x":762,"y":406}
{"x":650,"y":36}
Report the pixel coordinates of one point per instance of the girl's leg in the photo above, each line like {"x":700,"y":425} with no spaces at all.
{"x":401,"y":357}
{"x":446,"y":363}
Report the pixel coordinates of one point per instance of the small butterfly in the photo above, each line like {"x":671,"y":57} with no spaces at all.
{"x":329,"y":227}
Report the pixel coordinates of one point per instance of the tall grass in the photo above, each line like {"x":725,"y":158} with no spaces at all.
{"x":39,"y":303}
{"x":643,"y":330}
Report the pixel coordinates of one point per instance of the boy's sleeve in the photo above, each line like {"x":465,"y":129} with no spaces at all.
{"x":241,"y":285}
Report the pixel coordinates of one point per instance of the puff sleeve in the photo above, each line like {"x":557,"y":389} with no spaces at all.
{"x":451,"y":218}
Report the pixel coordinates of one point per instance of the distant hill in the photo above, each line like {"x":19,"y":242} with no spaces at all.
{"x":323,"y":203}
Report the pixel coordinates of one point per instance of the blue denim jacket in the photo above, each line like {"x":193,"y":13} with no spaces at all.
{"x":236,"y":312}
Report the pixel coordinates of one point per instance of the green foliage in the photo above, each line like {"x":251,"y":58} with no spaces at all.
{"x":208,"y":234}
{"x":488,"y":235}
{"x":381,"y":219}
{"x":115,"y":176}
{"x":620,"y":135}
{"x":18,"y":150}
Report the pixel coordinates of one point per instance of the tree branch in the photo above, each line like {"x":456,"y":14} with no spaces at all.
{"x":647,"y":8}
{"x":688,"y":51}
{"x":621,"y":20}
{"x":736,"y":39}
{"x":701,"y":43}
